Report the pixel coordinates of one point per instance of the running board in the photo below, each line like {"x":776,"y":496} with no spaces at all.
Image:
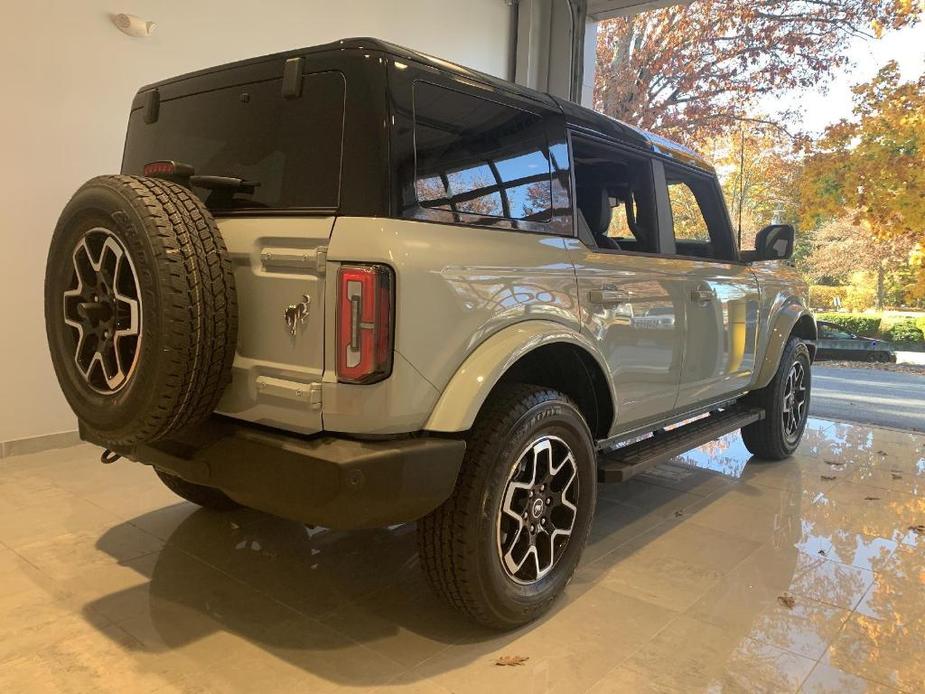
{"x":629,"y":460}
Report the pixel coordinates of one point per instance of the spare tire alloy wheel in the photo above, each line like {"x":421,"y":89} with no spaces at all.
{"x":538,"y":510}
{"x":140,"y":310}
{"x":103,"y":307}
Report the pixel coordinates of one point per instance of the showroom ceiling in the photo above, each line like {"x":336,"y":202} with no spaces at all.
{"x":605,"y":9}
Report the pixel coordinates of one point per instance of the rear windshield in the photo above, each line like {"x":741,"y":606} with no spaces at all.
{"x":289,"y":148}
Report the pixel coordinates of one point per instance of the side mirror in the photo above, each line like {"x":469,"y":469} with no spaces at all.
{"x":774,"y":242}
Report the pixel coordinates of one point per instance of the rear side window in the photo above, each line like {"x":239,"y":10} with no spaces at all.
{"x":289,"y":148}
{"x":478,"y":158}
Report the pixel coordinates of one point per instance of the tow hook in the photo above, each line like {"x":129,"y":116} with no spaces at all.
{"x":108,"y":457}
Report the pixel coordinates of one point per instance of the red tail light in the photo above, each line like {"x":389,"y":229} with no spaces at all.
{"x":364,"y":323}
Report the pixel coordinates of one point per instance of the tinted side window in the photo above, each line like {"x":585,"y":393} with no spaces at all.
{"x":291,"y":148}
{"x":615,"y":202}
{"x":478,"y":158}
{"x":701,"y":227}
{"x":689,"y":224}
{"x":830,"y":332}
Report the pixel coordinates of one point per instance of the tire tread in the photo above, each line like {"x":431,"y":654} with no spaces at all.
{"x":443,"y":544}
{"x":191,"y":281}
{"x":764,"y":438}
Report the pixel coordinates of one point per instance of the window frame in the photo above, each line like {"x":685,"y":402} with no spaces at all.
{"x":499,"y":186}
{"x":720,"y":222}
{"x":624,"y":151}
{"x":402,"y":76}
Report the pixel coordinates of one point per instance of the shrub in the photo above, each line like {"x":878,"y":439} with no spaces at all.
{"x":822,"y":296}
{"x":861,"y":294}
{"x":920,"y":323}
{"x":905,"y":332}
{"x":889,"y":320}
{"x":866,"y":324}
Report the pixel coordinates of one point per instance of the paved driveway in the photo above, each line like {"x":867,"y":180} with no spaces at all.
{"x":869,"y":396}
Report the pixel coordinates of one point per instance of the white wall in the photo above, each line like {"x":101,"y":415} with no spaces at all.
{"x":67,"y":77}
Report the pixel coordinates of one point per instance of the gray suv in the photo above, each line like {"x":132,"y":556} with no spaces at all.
{"x":354,"y":285}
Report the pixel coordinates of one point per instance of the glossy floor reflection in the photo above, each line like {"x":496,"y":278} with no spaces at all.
{"x":710,"y":573}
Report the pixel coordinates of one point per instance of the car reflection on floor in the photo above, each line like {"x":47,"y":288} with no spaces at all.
{"x":713,"y":571}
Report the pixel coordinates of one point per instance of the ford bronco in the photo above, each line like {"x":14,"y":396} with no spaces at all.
{"x":354,"y":285}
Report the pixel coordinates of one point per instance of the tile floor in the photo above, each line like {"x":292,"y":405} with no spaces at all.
{"x":109,"y":583}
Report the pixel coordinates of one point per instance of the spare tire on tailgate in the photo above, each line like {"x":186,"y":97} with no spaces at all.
{"x":140,"y":309}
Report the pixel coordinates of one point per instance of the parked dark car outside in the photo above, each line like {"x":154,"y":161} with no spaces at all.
{"x":834,"y":342}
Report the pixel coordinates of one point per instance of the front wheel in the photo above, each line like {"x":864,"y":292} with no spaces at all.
{"x":506,"y":543}
{"x":785,"y":401}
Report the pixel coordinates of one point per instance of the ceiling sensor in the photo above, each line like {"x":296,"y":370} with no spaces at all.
{"x":133,"y":26}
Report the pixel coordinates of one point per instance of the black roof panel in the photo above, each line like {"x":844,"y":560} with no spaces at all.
{"x":576,"y":116}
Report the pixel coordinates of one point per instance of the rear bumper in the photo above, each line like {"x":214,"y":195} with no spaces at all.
{"x":327,"y":480}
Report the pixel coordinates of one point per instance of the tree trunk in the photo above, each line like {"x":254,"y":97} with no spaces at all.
{"x":880,"y":291}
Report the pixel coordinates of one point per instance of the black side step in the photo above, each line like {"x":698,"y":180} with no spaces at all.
{"x":623,"y":463}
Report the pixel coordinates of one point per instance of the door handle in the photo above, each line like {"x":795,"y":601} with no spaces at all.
{"x":702,"y":296}
{"x":607,"y":297}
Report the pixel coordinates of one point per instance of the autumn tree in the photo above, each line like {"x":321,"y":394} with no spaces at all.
{"x":843,"y":247}
{"x":695,"y":70}
{"x":759,"y":174}
{"x":871,"y":169}
{"x":874,"y":163}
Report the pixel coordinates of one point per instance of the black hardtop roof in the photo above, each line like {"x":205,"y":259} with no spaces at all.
{"x":576,"y":116}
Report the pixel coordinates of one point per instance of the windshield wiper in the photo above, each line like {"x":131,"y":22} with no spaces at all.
{"x":186,"y":176}
{"x":224,"y":183}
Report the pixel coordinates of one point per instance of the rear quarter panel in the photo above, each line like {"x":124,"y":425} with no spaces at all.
{"x":455,"y":287}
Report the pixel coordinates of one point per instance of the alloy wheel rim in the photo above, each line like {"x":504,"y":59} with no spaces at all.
{"x":102,"y":306}
{"x":538,"y":510}
{"x":794,"y":409}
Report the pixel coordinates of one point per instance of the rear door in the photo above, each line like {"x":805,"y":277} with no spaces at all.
{"x":287,"y":144}
{"x":720,"y":293}
{"x":632,"y":300}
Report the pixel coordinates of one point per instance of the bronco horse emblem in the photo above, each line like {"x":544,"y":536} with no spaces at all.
{"x":296,"y":314}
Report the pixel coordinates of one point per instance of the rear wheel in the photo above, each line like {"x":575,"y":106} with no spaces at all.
{"x":785,"y":401}
{"x":207,"y":497}
{"x":506,"y":543}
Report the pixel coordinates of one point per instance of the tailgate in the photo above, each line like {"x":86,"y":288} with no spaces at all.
{"x":279,"y":275}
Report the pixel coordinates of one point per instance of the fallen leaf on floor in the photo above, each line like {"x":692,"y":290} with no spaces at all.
{"x":512,"y":660}
{"x":871,"y":498}
{"x":678,"y":514}
{"x":787,"y":601}
{"x":833,"y":462}
{"x":828,"y":478}
{"x":881,"y":452}
{"x":917,"y":529}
